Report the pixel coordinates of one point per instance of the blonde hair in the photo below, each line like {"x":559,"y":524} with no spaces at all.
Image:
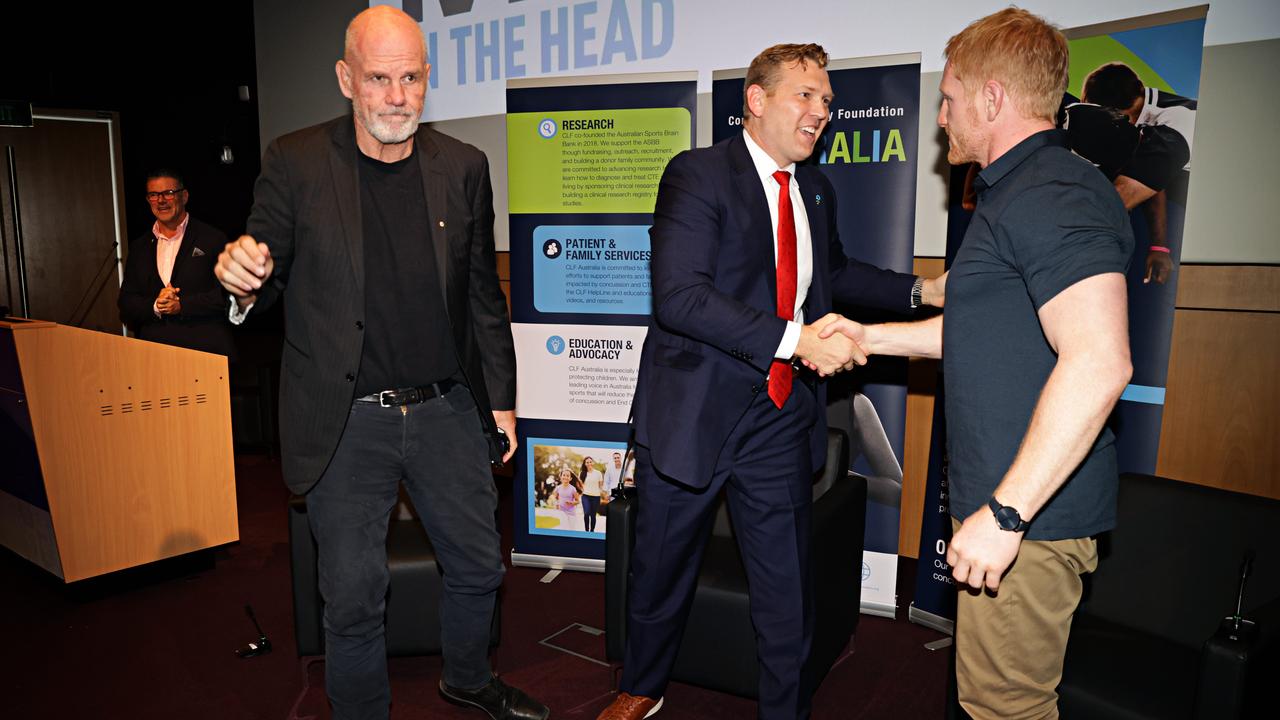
{"x":1021,"y":51}
{"x":763,"y":70}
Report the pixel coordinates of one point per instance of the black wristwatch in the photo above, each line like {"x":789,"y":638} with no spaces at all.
{"x":1006,"y":517}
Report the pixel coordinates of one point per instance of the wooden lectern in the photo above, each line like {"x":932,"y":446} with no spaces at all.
{"x":114,"y":452}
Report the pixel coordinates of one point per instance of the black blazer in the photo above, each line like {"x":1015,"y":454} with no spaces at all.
{"x":202,"y":324}
{"x":307,"y":210}
{"x":715,"y":327}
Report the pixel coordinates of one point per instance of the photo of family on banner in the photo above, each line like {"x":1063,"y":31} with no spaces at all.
{"x":572,"y":486}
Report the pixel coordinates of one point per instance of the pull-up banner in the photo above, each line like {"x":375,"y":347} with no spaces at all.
{"x":584,"y":156}
{"x":1164,"y":52}
{"x":1146,"y":70}
{"x":868,"y":151}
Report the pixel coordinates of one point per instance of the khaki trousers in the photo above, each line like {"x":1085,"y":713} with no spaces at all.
{"x":1010,"y":645}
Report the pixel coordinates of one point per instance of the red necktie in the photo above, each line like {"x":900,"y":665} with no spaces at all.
{"x":780,"y":372}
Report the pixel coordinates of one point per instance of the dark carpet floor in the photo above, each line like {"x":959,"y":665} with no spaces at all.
{"x":159,"y":641}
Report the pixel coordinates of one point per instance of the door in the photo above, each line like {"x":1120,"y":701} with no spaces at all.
{"x":62,"y":228}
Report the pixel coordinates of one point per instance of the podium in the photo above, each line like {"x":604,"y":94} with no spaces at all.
{"x":114,"y":452}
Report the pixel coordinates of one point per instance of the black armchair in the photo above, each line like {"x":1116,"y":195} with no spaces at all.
{"x":718,"y":650}
{"x":1148,"y":640}
{"x":413,"y":600}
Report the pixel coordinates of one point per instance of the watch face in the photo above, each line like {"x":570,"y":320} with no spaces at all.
{"x":1008,"y":518}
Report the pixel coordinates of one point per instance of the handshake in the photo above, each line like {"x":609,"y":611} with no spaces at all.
{"x":832,"y":344}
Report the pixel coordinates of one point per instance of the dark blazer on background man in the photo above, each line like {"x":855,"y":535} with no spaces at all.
{"x":202,"y":324}
{"x":307,"y":210}
{"x":715,"y":326}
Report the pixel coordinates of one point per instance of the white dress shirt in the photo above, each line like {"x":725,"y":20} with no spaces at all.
{"x":765,"y":168}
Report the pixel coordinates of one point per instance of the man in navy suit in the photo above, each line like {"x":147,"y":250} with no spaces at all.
{"x":744,"y":254}
{"x":169,"y":294}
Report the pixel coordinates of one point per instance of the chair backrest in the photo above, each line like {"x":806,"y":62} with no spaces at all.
{"x":1172,"y":565}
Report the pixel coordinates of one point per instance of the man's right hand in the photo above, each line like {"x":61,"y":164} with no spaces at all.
{"x":829,"y":355}
{"x":243,"y":267}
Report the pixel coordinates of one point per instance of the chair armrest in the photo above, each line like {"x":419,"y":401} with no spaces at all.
{"x":1229,"y":664}
{"x":619,"y":541}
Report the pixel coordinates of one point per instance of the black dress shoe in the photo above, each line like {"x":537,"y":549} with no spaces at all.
{"x":498,"y":699}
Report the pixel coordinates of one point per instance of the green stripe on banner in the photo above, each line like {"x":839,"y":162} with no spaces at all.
{"x":1143,"y":394}
{"x":1089,"y":53}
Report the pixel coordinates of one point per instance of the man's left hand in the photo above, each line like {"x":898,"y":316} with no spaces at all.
{"x":506,"y":420}
{"x":980,"y":551}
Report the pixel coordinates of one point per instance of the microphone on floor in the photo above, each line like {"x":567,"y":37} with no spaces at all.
{"x":262,"y":646}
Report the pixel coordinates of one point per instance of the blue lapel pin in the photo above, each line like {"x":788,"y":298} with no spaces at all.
{"x":817,"y":199}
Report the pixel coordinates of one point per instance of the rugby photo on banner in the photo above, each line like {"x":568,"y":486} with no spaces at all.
{"x":1131,"y":110}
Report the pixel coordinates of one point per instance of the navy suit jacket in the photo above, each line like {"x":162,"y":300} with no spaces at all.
{"x":715,"y":327}
{"x":202,"y":324}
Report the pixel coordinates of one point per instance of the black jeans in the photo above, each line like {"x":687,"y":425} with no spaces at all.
{"x":438,"y":449}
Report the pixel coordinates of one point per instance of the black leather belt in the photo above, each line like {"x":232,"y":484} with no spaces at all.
{"x":409,"y":395}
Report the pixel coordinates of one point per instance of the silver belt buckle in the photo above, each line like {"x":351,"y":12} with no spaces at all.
{"x":382,"y":398}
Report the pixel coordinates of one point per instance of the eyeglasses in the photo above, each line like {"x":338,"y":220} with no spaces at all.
{"x":166,"y":194}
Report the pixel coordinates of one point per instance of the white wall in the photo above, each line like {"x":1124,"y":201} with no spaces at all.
{"x":1232,"y":216}
{"x":1232,"y":211}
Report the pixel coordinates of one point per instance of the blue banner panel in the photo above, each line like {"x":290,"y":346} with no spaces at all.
{"x":584,"y":160}
{"x":935,"y":601}
{"x":591,"y":269}
{"x":868,"y":152}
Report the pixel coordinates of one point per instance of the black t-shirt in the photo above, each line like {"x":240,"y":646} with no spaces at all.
{"x":1163,"y":158}
{"x":408,"y":341}
{"x":1160,"y":157}
{"x":1045,"y":220}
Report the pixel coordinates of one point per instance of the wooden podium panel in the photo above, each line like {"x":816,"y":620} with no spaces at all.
{"x":134,"y":445}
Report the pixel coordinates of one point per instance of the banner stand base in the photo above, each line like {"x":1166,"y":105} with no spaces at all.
{"x":868,"y":607}
{"x":928,"y":619}
{"x":556,"y":562}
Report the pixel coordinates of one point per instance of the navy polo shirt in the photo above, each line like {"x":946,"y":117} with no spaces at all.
{"x":1046,"y":219}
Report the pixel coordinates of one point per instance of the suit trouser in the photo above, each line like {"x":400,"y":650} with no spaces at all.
{"x":1010,"y":646}
{"x":766,"y":467}
{"x":439,"y":450}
